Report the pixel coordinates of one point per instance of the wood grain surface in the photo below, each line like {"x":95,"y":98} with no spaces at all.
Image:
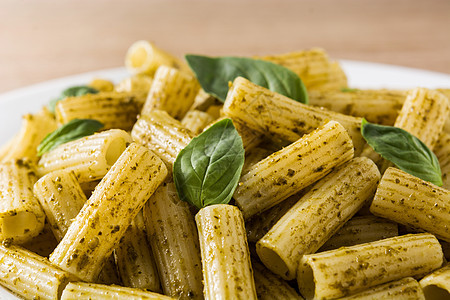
{"x":45,"y":39}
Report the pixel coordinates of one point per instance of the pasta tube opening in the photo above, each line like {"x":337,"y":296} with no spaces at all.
{"x":307,"y":285}
{"x":435,"y":292}
{"x":114,"y":150}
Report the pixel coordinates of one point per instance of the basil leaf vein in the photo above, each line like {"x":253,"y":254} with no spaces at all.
{"x":404,"y":150}
{"x":70,"y":131}
{"x":74,"y":91}
{"x":208,"y":169}
{"x":214,"y":73}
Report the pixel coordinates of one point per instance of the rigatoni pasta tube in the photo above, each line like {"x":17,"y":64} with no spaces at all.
{"x":442,"y":151}
{"x":404,"y":289}
{"x":112,"y":109}
{"x":61,"y":197}
{"x":196,"y":121}
{"x":162,"y":134}
{"x":134,"y":258}
{"x":106,"y":215}
{"x":89,"y":157}
{"x":269,"y":286}
{"x":376,"y":106}
{"x":411,"y":201}
{"x":317,"y":215}
{"x":29,"y":275}
{"x":436,"y":285}
{"x":360,"y":267}
{"x":89,"y":291}
{"x":174,"y":241}
{"x":227,"y":271}
{"x":21,"y":216}
{"x":280,"y":117}
{"x":359,"y":230}
{"x":173,"y":91}
{"x":293,"y":168}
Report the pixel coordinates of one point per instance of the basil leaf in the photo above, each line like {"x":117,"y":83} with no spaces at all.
{"x":404,"y":150}
{"x":348,"y":90}
{"x":214,"y":73}
{"x":73,"y":91}
{"x":208,"y":169}
{"x":70,"y":131}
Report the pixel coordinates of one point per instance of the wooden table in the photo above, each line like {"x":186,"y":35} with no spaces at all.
{"x":45,"y":39}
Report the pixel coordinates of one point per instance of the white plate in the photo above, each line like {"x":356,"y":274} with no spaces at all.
{"x":360,"y":75}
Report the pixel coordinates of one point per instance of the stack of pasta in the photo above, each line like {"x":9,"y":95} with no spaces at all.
{"x":319,"y":214}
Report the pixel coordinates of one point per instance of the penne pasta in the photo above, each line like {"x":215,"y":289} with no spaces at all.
{"x":34,"y":128}
{"x":269,"y":286}
{"x":227,"y":271}
{"x":174,"y":241}
{"x":279,"y":117}
{"x":88,"y":291}
{"x":359,"y":230}
{"x":162,"y":134}
{"x":31,"y":276}
{"x":442,"y":151}
{"x":411,"y":201}
{"x":293,"y":168}
{"x":404,"y":289}
{"x":317,"y":215}
{"x":376,"y":106}
{"x":436,"y":285}
{"x":172,"y":91}
{"x":136,"y":84}
{"x":363,"y":266}
{"x":89,"y":157}
{"x":106,"y":215}
{"x":135,"y":260}
{"x":112,"y":109}
{"x":21,"y":216}
{"x":61,"y":197}
{"x":313,"y":67}
{"x":196,"y":121}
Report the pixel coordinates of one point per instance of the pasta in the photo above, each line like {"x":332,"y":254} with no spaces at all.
{"x":102,"y":216}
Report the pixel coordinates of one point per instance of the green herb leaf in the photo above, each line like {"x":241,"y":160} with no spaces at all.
{"x":214,"y":73}
{"x":70,"y":131}
{"x":73,"y":91}
{"x":348,"y":90}
{"x":404,"y":150}
{"x":207,"y":170}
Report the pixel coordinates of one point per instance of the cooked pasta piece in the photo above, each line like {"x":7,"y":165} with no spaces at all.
{"x":280,"y":117}
{"x":317,"y":216}
{"x":89,"y":157}
{"x":376,"y":106}
{"x":61,"y":197}
{"x":29,"y":275}
{"x":174,"y":241}
{"x":135,"y":260}
{"x":359,"y":230}
{"x":109,"y":273}
{"x":360,"y":267}
{"x":269,"y":286}
{"x":423,"y":114}
{"x":442,"y":151}
{"x":436,"y":285}
{"x":313,"y":67}
{"x":34,"y":128}
{"x":173,"y":91}
{"x":411,"y":201}
{"x":21,"y":216}
{"x":253,"y":156}
{"x":404,"y":289}
{"x":88,"y":291}
{"x":293,"y":168}
{"x":227,"y":270}
{"x":196,"y":121}
{"x":102,"y":85}
{"x":162,"y":134}
{"x":143,"y":57}
{"x":112,"y":109}
{"x":258,"y":225}
{"x":203,"y":101}
{"x":137,"y":83}
{"x":107,"y":214}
